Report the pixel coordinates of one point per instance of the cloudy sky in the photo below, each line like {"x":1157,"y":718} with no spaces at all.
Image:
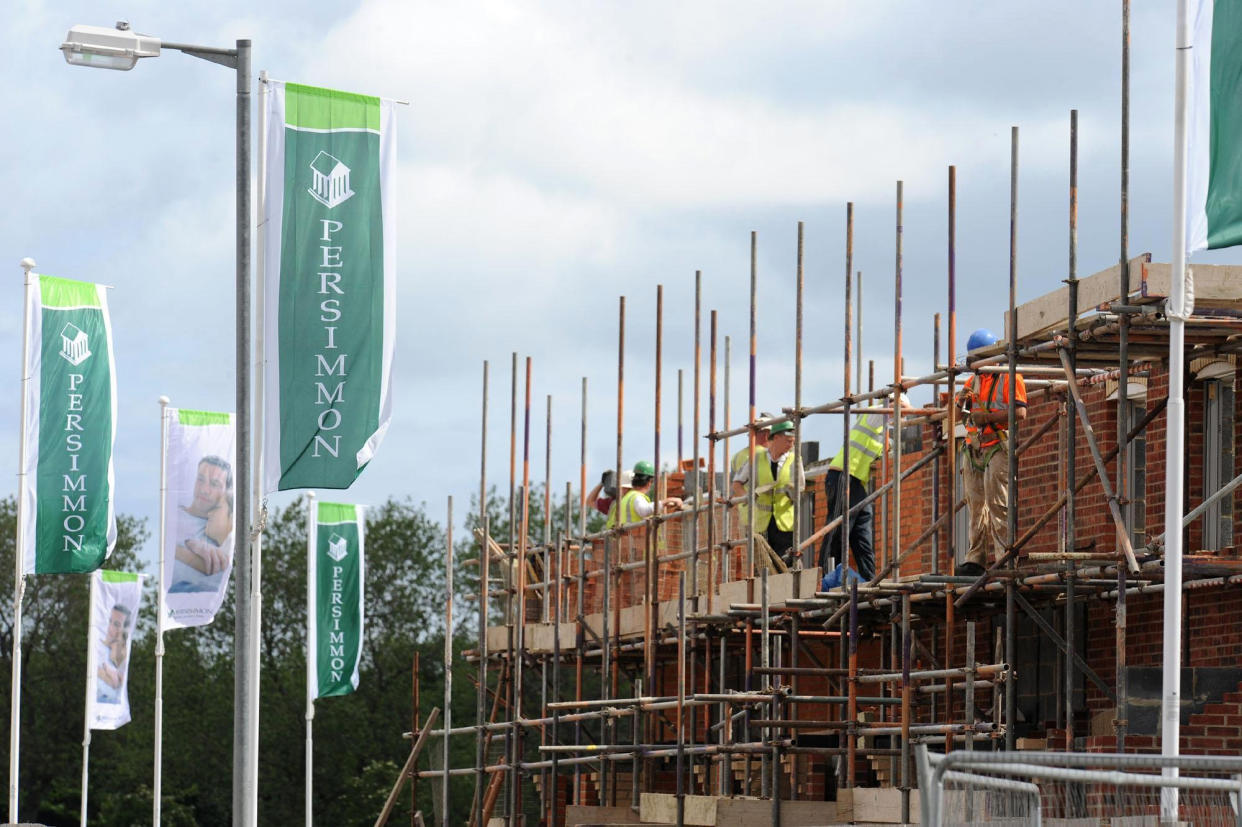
{"x":557,"y":155}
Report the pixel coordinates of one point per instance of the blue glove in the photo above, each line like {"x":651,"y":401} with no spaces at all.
{"x":840,"y":576}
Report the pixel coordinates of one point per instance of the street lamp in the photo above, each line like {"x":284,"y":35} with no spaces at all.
{"x":120,"y":49}
{"x":101,"y":48}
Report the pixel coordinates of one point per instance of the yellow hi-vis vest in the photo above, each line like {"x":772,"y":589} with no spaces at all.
{"x":782,"y":495}
{"x":736,"y":465}
{"x":866,"y":446}
{"x":629,"y":513}
{"x":775,"y":502}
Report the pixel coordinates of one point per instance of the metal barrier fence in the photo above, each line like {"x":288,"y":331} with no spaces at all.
{"x":1074,"y":788}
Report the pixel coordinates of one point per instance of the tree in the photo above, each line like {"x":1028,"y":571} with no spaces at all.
{"x":54,"y":624}
{"x":359,"y":741}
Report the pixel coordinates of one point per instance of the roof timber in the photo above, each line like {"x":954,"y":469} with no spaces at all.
{"x":1216,"y":286}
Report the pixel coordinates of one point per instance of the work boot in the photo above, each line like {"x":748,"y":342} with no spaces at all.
{"x":969,"y":569}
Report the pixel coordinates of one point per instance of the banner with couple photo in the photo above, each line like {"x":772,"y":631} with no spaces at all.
{"x":115,"y":596}
{"x":199,"y":530}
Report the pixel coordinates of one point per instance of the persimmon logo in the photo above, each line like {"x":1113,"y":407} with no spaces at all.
{"x":74,"y":345}
{"x":337,"y":547}
{"x":330,"y":185}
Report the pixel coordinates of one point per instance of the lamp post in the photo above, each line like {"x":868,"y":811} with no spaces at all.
{"x":121,"y":49}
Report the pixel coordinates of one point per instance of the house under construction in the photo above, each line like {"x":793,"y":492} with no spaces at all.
{"x":671,"y":671}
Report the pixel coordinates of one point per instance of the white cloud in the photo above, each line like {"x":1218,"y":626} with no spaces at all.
{"x":552,"y":97}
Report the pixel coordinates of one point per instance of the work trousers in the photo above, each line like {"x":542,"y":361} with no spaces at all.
{"x":861,"y":523}
{"x":987,"y":497}
{"x":781,"y":541}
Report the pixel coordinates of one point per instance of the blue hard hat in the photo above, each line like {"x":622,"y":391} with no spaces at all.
{"x":980,"y":338}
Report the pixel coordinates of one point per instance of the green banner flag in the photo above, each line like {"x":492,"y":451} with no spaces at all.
{"x":1214,"y":126}
{"x":329,"y":263}
{"x":335,"y":583}
{"x":68,"y":524}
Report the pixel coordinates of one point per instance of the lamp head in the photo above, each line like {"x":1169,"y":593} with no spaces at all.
{"x":103,"y":48}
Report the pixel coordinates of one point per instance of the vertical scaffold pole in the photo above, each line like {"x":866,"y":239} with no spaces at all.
{"x":519,"y":652}
{"x":858,"y":316}
{"x":698,"y":397}
{"x":937,"y":495}
{"x":681,"y":404}
{"x":651,"y":612}
{"x":1125,"y":455}
{"x":448,"y":663}
{"x":895,"y":519}
{"x":712,"y":555}
{"x":548,"y":591}
{"x":681,"y":698}
{"x":797,"y":421}
{"x":906,"y":692}
{"x":1071,"y":442}
{"x":843,"y":479}
{"x":580,"y":632}
{"x":765,"y":658}
{"x":950,"y":454}
{"x":1011,"y":697}
{"x":950,"y":443}
{"x":750,"y":495}
{"x":480,"y":756}
{"x":511,"y":744}
{"x":608,"y":676}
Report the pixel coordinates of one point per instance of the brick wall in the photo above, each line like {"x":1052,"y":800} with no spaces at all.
{"x":1210,"y":614}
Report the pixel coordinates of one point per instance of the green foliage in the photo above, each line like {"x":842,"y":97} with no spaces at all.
{"x":359,"y":738}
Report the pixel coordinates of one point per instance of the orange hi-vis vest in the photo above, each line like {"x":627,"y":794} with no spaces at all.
{"x":990,"y":392}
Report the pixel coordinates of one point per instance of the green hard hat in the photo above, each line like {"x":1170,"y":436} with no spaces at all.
{"x":780,"y":428}
{"x":643,"y":468}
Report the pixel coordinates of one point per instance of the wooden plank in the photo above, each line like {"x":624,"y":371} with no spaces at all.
{"x":1216,"y":285}
{"x":633,"y":621}
{"x":780,"y":588}
{"x":541,"y":637}
{"x":878,"y":805}
{"x":661,"y":808}
{"x":594,"y":624}
{"x":732,"y":592}
{"x":580,"y":816}
{"x":1052,"y":309}
{"x":745,"y":812}
{"x":497,"y":638}
{"x":809,"y":581}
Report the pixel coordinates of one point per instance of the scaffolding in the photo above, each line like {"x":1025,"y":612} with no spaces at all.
{"x":646,"y":664}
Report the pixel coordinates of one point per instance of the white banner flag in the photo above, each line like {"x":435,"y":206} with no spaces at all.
{"x":198,"y":515}
{"x":115,"y":596}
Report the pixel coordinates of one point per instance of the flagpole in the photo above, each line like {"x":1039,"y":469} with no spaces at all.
{"x":86,"y":712}
{"x":1174,"y":435}
{"x":311,"y":547}
{"x":159,"y":622}
{"x":19,"y":579}
{"x":448,"y":664}
{"x":256,"y":488}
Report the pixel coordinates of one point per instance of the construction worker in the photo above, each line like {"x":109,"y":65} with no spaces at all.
{"x":984,"y":404}
{"x":605,"y":492}
{"x":866,"y":447}
{"x":774,"y":508}
{"x":742,"y":457}
{"x":635,"y":504}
